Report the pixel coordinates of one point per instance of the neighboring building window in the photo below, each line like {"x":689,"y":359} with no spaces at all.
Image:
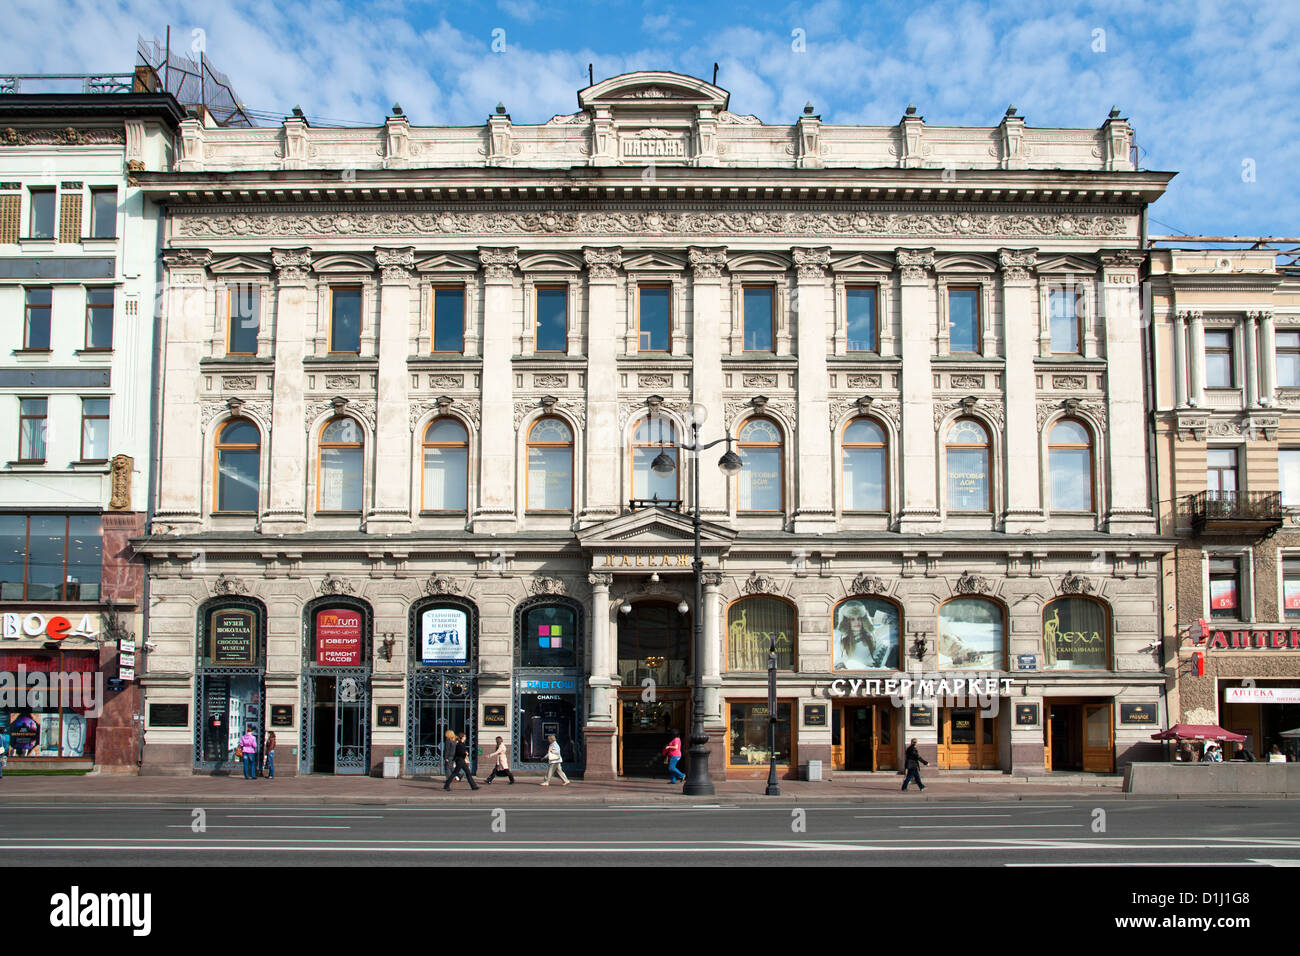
{"x":31,"y":428}
{"x":36,"y":332}
{"x":1225,"y":589}
{"x":752,"y":625}
{"x":446,"y":466}
{"x":103,"y":213}
{"x":759,"y":481}
{"x":1288,"y":359}
{"x":243,"y":313}
{"x":1069,"y":455}
{"x":550,"y":636}
{"x":345,"y":319}
{"x":866,"y":467}
{"x":1291,"y":588}
{"x":748,"y":732}
{"x":651,"y":438}
{"x":861,"y":329}
{"x":342,"y":448}
{"x":50,"y":557}
{"x":42,"y":217}
{"x":759,"y":318}
{"x":971,"y":635}
{"x":1063,"y":306}
{"x":1219,"y":364}
{"x":550,"y":466}
{"x":99,"y":318}
{"x":964,"y":319}
{"x":1288,"y":466}
{"x":94,"y":429}
{"x":654,"y":318}
{"x":866,"y":635}
{"x":968,"y":467}
{"x":552,"y":333}
{"x":1221,"y":472}
{"x":449,"y":318}
{"x":1076,"y":635}
{"x":239,"y":458}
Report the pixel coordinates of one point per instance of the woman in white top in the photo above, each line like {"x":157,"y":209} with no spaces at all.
{"x":554,"y":762}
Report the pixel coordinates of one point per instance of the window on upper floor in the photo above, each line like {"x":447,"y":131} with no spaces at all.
{"x":345,"y":319}
{"x":652,"y":438}
{"x":1291,"y":587}
{"x":866,"y":466}
{"x":1069,"y":456}
{"x":342,"y":454}
{"x":552,"y":320}
{"x":99,"y":318}
{"x":36,"y":320}
{"x":964,"y":331}
{"x":862,"y":332}
{"x":243,"y":317}
{"x":103,"y":213}
{"x":1066,"y":319}
{"x":32,"y":422}
{"x":1288,"y":466}
{"x":967,"y":462}
{"x":449,"y":318}
{"x":94,"y":429}
{"x":760,"y":482}
{"x":445,"y":482}
{"x":1225,"y":588}
{"x":1288,"y":359}
{"x":1221,"y":472}
{"x":239,"y":458}
{"x":759,"y":317}
{"x":1220,"y":370}
{"x":50,"y":557}
{"x":654,"y":318}
{"x":41,"y":220}
{"x":550,"y":466}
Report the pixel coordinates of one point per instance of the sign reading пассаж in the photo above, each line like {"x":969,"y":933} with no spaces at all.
{"x":390,"y":715}
{"x":1264,"y":638}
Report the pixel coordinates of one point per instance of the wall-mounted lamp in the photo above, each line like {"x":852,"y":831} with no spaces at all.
{"x":683,"y":608}
{"x":625,"y":608}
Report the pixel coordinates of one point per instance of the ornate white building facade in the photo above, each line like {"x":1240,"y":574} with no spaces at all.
{"x":414,"y":380}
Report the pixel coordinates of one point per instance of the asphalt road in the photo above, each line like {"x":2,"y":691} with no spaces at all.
{"x":1056,"y":832}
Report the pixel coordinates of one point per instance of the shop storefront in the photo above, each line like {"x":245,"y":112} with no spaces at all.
{"x":1263,"y":710}
{"x":654,"y":654}
{"x":442,"y":680}
{"x":864,"y":735}
{"x":50,"y":703}
{"x":548,"y":682}
{"x":230,"y":679}
{"x":336,"y":687}
{"x":748,"y":744}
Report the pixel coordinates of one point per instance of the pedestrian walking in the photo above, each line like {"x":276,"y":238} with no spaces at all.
{"x":4,"y":748}
{"x":460,"y":762}
{"x":912,"y":761}
{"x":501,"y":764}
{"x":248,"y":747}
{"x":554,"y":762}
{"x":269,"y":750}
{"x":673,"y":753}
{"x":448,"y":750}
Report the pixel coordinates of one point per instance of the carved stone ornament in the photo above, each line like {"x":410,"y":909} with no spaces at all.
{"x":437,"y":585}
{"x":291,"y":265}
{"x":225,"y":586}
{"x":864,"y":381}
{"x":1123,"y":258}
{"x":780,"y":408}
{"x":364,"y":410}
{"x":238,"y":383}
{"x":868,"y":584}
{"x":1076,"y":584}
{"x":577,"y":411}
{"x":914,"y":263}
{"x":446,"y":381}
{"x":655,"y":380}
{"x":336,"y":585}
{"x":972,"y":584}
{"x":187,"y":258}
{"x":259,"y":410}
{"x":764,"y":380}
{"x":120,"y":478}
{"x":966,"y":381}
{"x":498,"y":263}
{"x":1072,"y":406}
{"x":597,"y":580}
{"x":760,"y":584}
{"x":335,"y":382}
{"x":550,"y":380}
{"x":395,"y":265}
{"x":66,"y":136}
{"x":887,"y":408}
{"x":707,"y":263}
{"x":711,"y":579}
{"x":544,"y":585}
{"x":1069,"y":382}
{"x":990,"y":409}
{"x":602,"y":263}
{"x":811,"y":263}
{"x":1018,"y":264}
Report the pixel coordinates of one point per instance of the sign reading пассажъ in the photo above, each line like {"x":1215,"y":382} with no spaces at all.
{"x":1264,"y":638}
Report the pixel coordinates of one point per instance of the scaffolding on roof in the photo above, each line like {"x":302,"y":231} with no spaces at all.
{"x":194,"y":84}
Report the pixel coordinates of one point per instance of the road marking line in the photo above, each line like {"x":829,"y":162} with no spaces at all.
{"x":290,"y":816}
{"x":992,"y":826}
{"x":932,"y":816}
{"x":1277,"y":862}
{"x":253,"y":826}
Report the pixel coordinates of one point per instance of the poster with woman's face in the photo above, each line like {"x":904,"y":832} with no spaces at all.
{"x":866,"y":636}
{"x":970,"y":635}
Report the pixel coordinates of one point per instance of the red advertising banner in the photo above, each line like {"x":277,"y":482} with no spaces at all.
{"x":1291,"y":595}
{"x":338,"y":637}
{"x":1223,"y":595}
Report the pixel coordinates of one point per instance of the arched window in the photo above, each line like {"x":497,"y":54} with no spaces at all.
{"x":1069,"y":457}
{"x":972,"y":635}
{"x":967,"y":459}
{"x":752,"y":624}
{"x":342,"y":447}
{"x":1076,"y":635}
{"x":239,"y":456}
{"x":866,"y":637}
{"x":759,"y":484}
{"x":548,"y":636}
{"x":550,"y":466}
{"x":446,"y":466}
{"x":866,"y":466}
{"x":651,"y":438}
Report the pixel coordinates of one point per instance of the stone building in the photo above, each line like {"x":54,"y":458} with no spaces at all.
{"x":1225,"y":343}
{"x":415,"y":380}
{"x":78,"y":281}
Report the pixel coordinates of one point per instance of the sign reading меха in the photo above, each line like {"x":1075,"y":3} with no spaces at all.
{"x":443,"y":636}
{"x":232,"y":637}
{"x":338,"y":637}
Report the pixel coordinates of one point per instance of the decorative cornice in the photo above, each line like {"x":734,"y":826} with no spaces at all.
{"x":811,"y":263}
{"x":602,"y":262}
{"x":186,"y":258}
{"x":67,"y":136}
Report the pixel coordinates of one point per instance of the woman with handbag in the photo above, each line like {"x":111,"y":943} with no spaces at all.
{"x":248,"y":746}
{"x":673,"y":753}
{"x":269,"y":750}
{"x":554,"y":762}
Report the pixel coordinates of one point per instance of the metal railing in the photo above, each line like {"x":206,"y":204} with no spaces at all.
{"x":672,"y":504}
{"x":88,"y":82}
{"x":1251,"y":506}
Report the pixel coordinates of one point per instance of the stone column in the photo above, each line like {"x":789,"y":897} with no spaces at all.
{"x":1180,"y":359}
{"x":391,"y":513}
{"x":712,"y":677}
{"x":603,"y":442}
{"x":815,"y":513}
{"x":1251,"y":365}
{"x":286,"y":510}
{"x":920,"y":510}
{"x":181,"y":485}
{"x":706,"y":371}
{"x":1196,"y":359}
{"x":601,"y":729}
{"x":497,"y":440}
{"x":1024,"y":503}
{"x":1126,"y":446}
{"x":1267,"y":359}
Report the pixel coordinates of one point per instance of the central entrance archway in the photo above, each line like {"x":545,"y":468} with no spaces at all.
{"x":654,"y":664}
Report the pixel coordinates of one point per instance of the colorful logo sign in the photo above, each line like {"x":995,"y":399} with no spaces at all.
{"x":550,"y":636}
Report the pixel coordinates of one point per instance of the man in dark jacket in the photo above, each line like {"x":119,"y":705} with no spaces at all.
{"x":1243,"y":753}
{"x":460,"y":761}
{"x":912,"y":761}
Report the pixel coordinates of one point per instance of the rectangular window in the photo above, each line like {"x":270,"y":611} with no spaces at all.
{"x":99,"y":318}
{"x":749,"y":734}
{"x":449,"y":319}
{"x":103,"y":213}
{"x":964,"y":319}
{"x":50,"y":557}
{"x":759,"y":318}
{"x":1225,"y":589}
{"x":1288,"y":359}
{"x":345,"y":319}
{"x":243,"y":318}
{"x":94,"y":429}
{"x":1063,"y":308}
{"x":41,"y":222}
{"x":36,"y":332}
{"x":654,"y":318}
{"x":860,"y":319}
{"x":552,"y":329}
{"x":1221,"y":472}
{"x":31,"y":428}
{"x":1288,"y":466}
{"x":1291,"y":588}
{"x":1219,"y":364}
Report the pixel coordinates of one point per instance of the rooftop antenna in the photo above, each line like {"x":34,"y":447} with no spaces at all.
{"x":715,"y":74}
{"x":591,"y":75}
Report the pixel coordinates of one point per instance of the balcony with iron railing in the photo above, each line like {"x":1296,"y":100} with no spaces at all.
{"x":1234,"y":512}
{"x":670,"y":504}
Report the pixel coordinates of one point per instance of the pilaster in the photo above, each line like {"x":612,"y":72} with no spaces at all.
{"x":286,"y":509}
{"x":1024,"y":507}
{"x":496,"y":507}
{"x":815,"y":513}
{"x":707,"y":264}
{"x":920,"y":512}
{"x":393,"y":455}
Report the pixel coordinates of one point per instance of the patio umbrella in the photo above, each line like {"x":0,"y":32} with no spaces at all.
{"x":1197,"y":732}
{"x":1290,"y":734}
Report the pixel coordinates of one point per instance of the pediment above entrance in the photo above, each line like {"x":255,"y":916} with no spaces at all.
{"x":651,"y":88}
{"x":652,"y":538}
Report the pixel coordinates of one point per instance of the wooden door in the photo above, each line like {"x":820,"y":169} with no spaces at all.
{"x":886,"y":749}
{"x":1098,"y":738}
{"x":859,"y":737}
{"x":1047,"y":738}
{"x":837,"y":737}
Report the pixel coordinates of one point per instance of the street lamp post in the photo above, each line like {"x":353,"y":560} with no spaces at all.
{"x":773,"y":787}
{"x":698,"y":783}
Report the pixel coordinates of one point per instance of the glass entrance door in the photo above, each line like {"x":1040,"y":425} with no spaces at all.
{"x":438,"y":701}
{"x":1098,"y":739}
{"x":860,"y":749}
{"x":336,"y":728}
{"x":644,"y":729}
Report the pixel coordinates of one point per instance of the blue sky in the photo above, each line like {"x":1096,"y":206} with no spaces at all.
{"x":1212,"y":88}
